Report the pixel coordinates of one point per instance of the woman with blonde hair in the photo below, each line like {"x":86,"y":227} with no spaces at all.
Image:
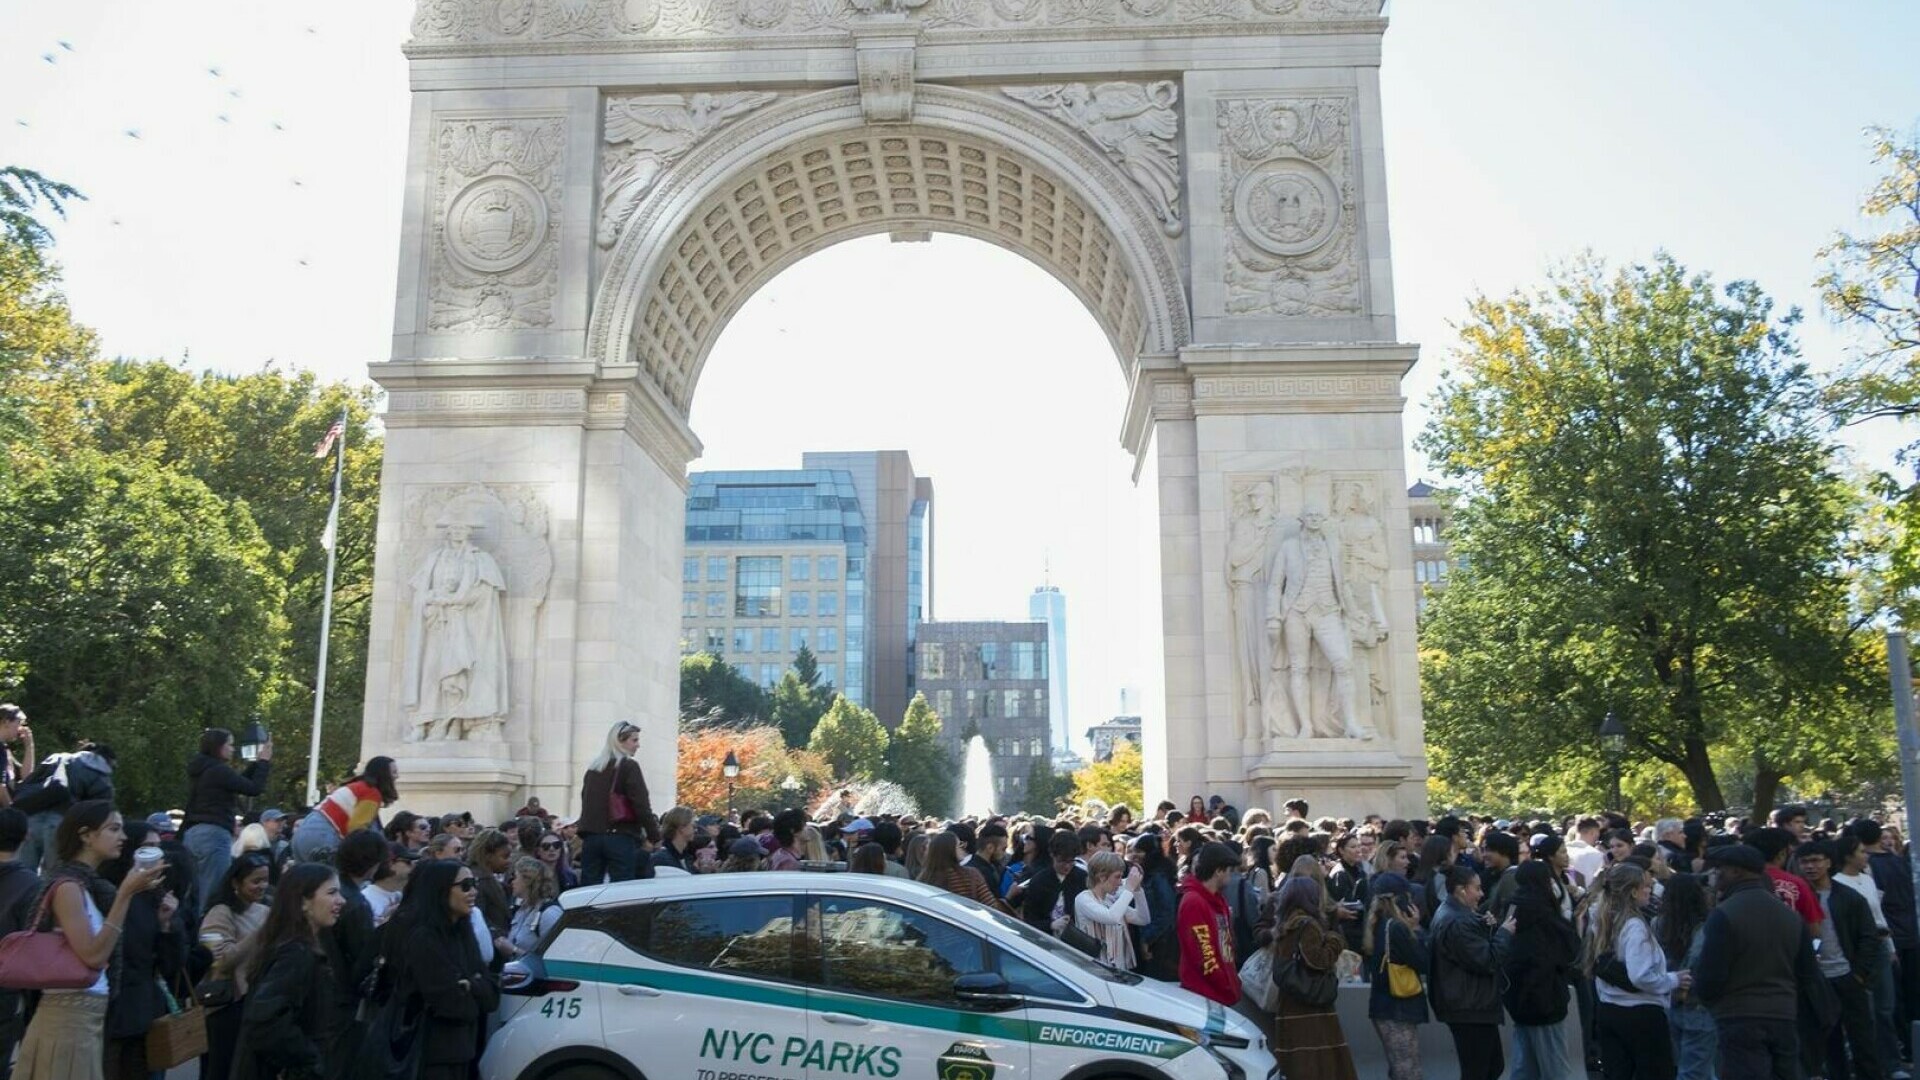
{"x":1630,"y":976}
{"x":916,"y":857}
{"x":615,"y":815}
{"x":536,"y":903}
{"x":813,"y":848}
{"x":1108,"y":905}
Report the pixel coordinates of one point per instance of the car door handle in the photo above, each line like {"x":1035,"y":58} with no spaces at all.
{"x":844,"y":1019}
{"x":636,"y":990}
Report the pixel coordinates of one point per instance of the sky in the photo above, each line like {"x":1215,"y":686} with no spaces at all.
{"x":244,"y":162}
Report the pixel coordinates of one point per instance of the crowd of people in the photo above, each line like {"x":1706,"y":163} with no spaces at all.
{"x":1703,"y":948}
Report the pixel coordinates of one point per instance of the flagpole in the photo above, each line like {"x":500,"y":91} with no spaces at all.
{"x":326,"y":616}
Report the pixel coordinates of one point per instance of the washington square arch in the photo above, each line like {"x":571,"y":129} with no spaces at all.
{"x":595,"y":187}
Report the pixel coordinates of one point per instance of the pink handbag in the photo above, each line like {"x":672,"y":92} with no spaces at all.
{"x":33,"y":959}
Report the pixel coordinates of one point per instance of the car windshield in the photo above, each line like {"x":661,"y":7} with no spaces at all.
{"x":997,"y":924}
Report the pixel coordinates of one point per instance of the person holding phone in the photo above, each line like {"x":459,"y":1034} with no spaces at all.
{"x":1468,"y":951}
{"x":1631,"y":979}
{"x":1108,"y":905}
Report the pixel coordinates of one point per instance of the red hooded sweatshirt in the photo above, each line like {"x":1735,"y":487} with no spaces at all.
{"x":1204,"y":926}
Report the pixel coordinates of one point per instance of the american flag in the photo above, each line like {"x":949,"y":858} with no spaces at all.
{"x":325,"y":445}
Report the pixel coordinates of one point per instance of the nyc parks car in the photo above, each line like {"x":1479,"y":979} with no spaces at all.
{"x":836,"y":976}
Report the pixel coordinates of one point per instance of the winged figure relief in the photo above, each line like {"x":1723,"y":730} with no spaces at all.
{"x":654,"y":135}
{"x":1134,"y":124}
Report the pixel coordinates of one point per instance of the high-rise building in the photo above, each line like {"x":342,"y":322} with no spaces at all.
{"x":835,"y":555}
{"x":990,"y":679}
{"x":1049,"y":605}
{"x":898,"y":507}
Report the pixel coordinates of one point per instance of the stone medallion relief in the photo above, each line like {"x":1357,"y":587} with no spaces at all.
{"x":1287,"y":187}
{"x":1306,"y":572}
{"x":1134,"y":124}
{"x":438,"y":22}
{"x":477,"y":561}
{"x":646,"y":134}
{"x":495,"y":253}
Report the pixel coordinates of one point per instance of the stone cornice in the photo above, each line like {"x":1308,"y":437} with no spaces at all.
{"x":1160,"y":390}
{"x":637,"y":407}
{"x":1313,"y":378}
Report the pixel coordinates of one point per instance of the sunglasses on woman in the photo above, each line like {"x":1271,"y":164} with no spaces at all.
{"x":550,"y":845}
{"x":466,"y":885}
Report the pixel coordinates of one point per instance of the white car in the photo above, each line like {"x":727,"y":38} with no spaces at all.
{"x":811,"y":976}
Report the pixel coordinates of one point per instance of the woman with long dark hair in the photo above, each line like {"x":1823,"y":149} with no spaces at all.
{"x":1680,"y":930}
{"x":230,"y":934}
{"x":1392,"y":936}
{"x":289,"y":1025}
{"x":67,"y":1038}
{"x":1306,"y":1035}
{"x":435,"y":967}
{"x":1429,"y":875}
{"x":1159,"y":880}
{"x":153,"y":954}
{"x":352,"y":806}
{"x":1539,"y":970}
{"x":943,"y":871}
{"x":213,"y":796}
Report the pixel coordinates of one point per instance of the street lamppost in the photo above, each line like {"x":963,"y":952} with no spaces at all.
{"x":1613,"y":743}
{"x":730,"y":769}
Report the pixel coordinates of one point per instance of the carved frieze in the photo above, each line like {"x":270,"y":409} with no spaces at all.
{"x":1134,"y":125}
{"x":494,"y":262}
{"x":646,"y":134}
{"x":1288,"y":187}
{"x":535,"y":23}
{"x":478,"y":561}
{"x":1306,"y":567}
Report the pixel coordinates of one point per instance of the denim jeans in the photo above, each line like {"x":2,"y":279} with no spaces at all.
{"x":1540,"y":1053}
{"x":1696,"y":1041}
{"x":612,"y":857}
{"x":212,"y":849}
{"x":1880,"y":980}
{"x":314,"y":839}
{"x":1757,"y":1049}
{"x":37,"y":852}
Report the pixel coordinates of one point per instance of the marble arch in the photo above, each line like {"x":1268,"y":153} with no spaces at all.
{"x":593,"y":189}
{"x":1042,"y":194}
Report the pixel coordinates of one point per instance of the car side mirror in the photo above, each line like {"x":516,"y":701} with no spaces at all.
{"x":985,"y":990}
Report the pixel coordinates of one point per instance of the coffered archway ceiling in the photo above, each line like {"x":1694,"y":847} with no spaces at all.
{"x":828,"y":189}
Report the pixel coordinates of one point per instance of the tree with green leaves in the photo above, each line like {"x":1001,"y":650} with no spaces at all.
{"x":852,"y":740}
{"x":22,"y":193}
{"x":799,"y":700}
{"x":1871,"y":285}
{"x":1648,"y":521}
{"x":1119,"y":779}
{"x":713,"y":694}
{"x":136,"y":608}
{"x":1046,"y":789}
{"x":918,"y":759}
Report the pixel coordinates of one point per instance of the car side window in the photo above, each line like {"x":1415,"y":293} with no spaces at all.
{"x":736,"y":935}
{"x":869,"y":947}
{"x":1029,"y":981}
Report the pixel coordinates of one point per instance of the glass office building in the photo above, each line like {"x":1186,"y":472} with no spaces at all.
{"x":835,"y":555}
{"x":776,"y":559}
{"x":990,"y":678}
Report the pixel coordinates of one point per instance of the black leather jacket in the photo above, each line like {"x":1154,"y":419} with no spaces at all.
{"x":1468,"y":956}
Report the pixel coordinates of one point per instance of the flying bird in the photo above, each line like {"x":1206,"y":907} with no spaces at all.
{"x":67,"y":45}
{"x":278,"y":126}
{"x":234,"y":93}
{"x":214,"y":71}
{"x":23,"y":123}
{"x":225,"y":119}
{"x":132,"y":133}
{"x":298,"y":183}
{"x":48,"y":57}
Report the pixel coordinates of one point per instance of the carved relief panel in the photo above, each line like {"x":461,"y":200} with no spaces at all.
{"x":494,"y":255}
{"x":1307,"y":572}
{"x":1288,"y":192}
{"x":477,"y":562}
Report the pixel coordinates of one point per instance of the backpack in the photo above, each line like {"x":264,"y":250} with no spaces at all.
{"x":44,"y":788}
{"x":1244,"y":905}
